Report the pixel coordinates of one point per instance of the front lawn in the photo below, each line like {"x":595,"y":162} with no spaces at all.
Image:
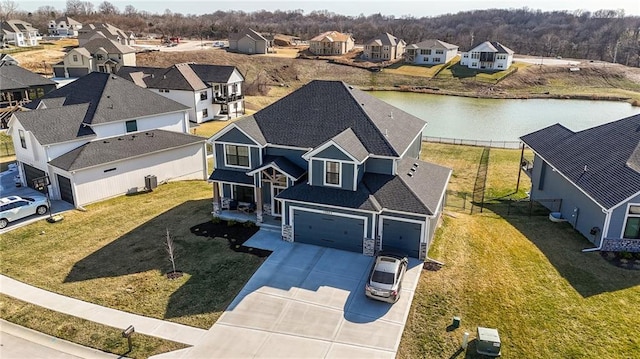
{"x":525,"y":276}
{"x":114,"y":255}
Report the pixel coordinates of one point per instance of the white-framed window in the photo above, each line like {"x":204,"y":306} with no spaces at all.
{"x":75,"y":58}
{"x":436,"y":59}
{"x":23,"y":140}
{"x":632,"y":222}
{"x":439,"y":52}
{"x":332,"y":171}
{"x":425,"y":51}
{"x":466,"y":56}
{"x":474,"y":64}
{"x":236,"y":156}
{"x":203,"y":95}
{"x":475,"y":55}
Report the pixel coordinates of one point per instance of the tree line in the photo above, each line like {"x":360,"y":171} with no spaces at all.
{"x":606,"y":35}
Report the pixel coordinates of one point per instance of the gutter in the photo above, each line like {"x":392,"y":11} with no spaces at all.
{"x":606,"y":228}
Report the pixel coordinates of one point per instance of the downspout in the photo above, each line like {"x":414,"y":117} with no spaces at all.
{"x":604,"y":230}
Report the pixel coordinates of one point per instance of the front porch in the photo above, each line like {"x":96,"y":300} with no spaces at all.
{"x":239,"y":215}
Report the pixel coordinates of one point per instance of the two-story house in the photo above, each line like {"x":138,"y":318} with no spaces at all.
{"x":430,"y":52}
{"x":99,"y":54}
{"x":331,"y":43}
{"x":64,"y":26}
{"x":102,"y":136}
{"x":18,"y":87}
{"x":90,"y":31}
{"x":212,"y":92}
{"x":384,"y":47}
{"x":337,"y":167}
{"x":249,"y":41}
{"x":19,"y":33}
{"x":489,"y":55}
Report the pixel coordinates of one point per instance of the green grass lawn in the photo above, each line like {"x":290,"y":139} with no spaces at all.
{"x":524,"y":275}
{"x":83,"y":332}
{"x":463,"y":72}
{"x":114,"y":255}
{"x":413,"y":70}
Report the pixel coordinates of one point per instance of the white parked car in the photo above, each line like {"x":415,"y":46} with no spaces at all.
{"x":13,"y":208}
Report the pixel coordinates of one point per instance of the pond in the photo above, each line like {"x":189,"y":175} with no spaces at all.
{"x":502,"y":120}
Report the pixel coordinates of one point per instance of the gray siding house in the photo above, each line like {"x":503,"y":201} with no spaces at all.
{"x":595,"y":174}
{"x":335,"y":167}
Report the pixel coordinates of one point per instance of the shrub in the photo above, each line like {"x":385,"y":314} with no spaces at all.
{"x":231,"y":223}
{"x":216,"y":220}
{"x":248,"y":224}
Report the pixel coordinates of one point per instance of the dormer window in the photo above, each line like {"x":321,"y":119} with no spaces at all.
{"x":332,"y":173}
{"x":236,"y":156}
{"x":203,"y":95}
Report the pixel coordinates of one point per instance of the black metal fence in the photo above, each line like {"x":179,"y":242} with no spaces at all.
{"x":468,"y":142}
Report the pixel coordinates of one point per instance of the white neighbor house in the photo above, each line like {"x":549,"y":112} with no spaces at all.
{"x":100,"y":136}
{"x":489,"y":55}
{"x":19,"y":33}
{"x":64,"y":26}
{"x":430,"y":52}
{"x":212,"y":92}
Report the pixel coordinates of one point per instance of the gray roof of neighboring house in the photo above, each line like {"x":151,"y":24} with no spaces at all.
{"x":16,"y":26}
{"x":384,"y":39}
{"x":106,"y":30}
{"x":610,"y":152}
{"x":184,"y":76}
{"x":13,"y":77}
{"x":106,"y":98}
{"x":321,"y":110}
{"x":113,"y":149}
{"x":247,"y":32}
{"x":231,"y":177}
{"x":8,"y":59}
{"x":67,"y":20}
{"x":110,"y":46}
{"x":495,"y":47}
{"x":82,"y":51}
{"x":419,"y":192}
{"x":432,"y":44}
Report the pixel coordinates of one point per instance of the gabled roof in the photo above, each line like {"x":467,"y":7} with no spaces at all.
{"x":384,"y":39}
{"x":67,"y":20}
{"x":359,"y":199}
{"x":282,"y":164}
{"x":106,"y":30}
{"x":82,"y":51}
{"x":348,"y":142}
{"x":119,"y":148}
{"x":492,"y":46}
{"x":433,"y":44}
{"x":13,"y":77}
{"x":107,"y":45}
{"x":321,"y":110}
{"x":229,"y":176}
{"x":105,"y":98}
{"x":248,"y":33}
{"x":16,"y":26}
{"x":184,"y":76}
{"x":8,"y":59}
{"x":332,"y":36}
{"x":609,"y":152}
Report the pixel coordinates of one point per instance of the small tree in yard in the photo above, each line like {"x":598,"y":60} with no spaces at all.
{"x":170,"y":246}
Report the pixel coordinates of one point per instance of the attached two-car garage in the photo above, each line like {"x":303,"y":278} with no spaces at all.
{"x":348,"y":231}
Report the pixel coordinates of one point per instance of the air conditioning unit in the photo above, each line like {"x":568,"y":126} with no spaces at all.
{"x":488,"y":342}
{"x":150,"y":182}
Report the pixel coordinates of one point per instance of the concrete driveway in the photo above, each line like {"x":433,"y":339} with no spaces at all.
{"x":8,"y":188}
{"x":307,"y":302}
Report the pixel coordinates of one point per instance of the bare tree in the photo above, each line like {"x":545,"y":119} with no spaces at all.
{"x":107,"y":8}
{"x":7,"y":9}
{"x":171,"y":250}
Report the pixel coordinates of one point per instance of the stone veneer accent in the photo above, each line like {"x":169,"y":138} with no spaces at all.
{"x":621,"y":245}
{"x":368,"y":247}
{"x":287,"y":232}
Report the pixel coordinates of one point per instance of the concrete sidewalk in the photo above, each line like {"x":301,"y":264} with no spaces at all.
{"x":95,"y":313}
{"x":20,"y":342}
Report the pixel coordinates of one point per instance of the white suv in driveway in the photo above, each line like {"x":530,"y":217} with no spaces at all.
{"x":13,"y":208}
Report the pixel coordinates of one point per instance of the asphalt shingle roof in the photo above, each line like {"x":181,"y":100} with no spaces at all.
{"x":231,"y":177}
{"x":56,"y":125}
{"x":359,"y":199}
{"x":494,"y":46}
{"x":108,"y":45}
{"x":384,"y":39}
{"x":609,"y":152}
{"x":13,"y":77}
{"x":120,"y":148}
{"x":322,"y":110}
{"x":184,"y":76}
{"x":432,"y":44}
{"x":282,"y":164}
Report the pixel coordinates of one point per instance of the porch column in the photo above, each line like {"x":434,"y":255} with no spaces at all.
{"x":217,"y":201}
{"x":259,"y":204}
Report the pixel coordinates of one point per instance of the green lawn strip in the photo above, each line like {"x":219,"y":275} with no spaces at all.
{"x":83,"y":332}
{"x":114,"y":255}
{"x":413,"y":70}
{"x":6,"y":145}
{"x":528,"y":278}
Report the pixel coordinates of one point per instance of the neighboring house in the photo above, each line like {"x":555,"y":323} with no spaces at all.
{"x":210,"y":91}
{"x":489,"y":55}
{"x":335,"y":167}
{"x":100,"y":54}
{"x":19,"y":33}
{"x":384,"y":47}
{"x":249,"y":41}
{"x":331,"y":43}
{"x":91,"y":31}
{"x":64,"y":26}
{"x":101,"y":136}
{"x":430,"y":52}
{"x":18,"y":87}
{"x":595,"y":174}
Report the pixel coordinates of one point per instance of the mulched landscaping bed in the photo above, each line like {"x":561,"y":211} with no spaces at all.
{"x":235,"y":233}
{"x":622,"y":259}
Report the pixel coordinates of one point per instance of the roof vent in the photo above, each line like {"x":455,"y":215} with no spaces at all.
{"x":105,"y":141}
{"x":585,"y":168}
{"x":415,"y":164}
{"x":350,"y":87}
{"x":120,"y":138}
{"x":114,"y":77}
{"x":164,"y":77}
{"x":133,"y":137}
{"x":386,"y":132}
{"x":413,"y":169}
{"x":410,"y":174}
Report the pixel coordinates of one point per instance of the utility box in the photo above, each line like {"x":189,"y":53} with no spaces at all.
{"x":488,"y":342}
{"x":150,"y":182}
